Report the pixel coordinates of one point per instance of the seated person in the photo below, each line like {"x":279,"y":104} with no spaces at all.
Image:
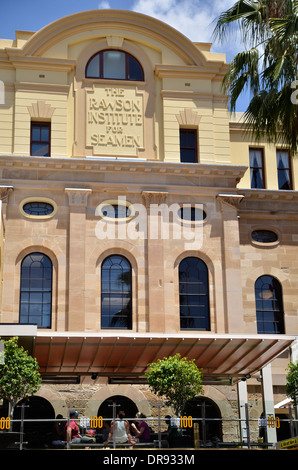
{"x":119,"y":431}
{"x":142,"y":430}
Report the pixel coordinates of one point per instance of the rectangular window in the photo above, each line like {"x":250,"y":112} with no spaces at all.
{"x":188,"y":146}
{"x":40,"y":139}
{"x":284,"y":169}
{"x":256,"y":163}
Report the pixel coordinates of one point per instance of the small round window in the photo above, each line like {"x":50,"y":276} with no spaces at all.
{"x":41,"y":208}
{"x":114,"y":210}
{"x":264,"y":236}
{"x":38,"y":208}
{"x":192,"y":214}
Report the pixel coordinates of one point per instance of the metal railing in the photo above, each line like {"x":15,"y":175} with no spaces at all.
{"x":192,"y":432}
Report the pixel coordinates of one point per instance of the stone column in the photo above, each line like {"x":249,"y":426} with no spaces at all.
{"x":77,"y":198}
{"x":155,"y":261}
{"x":231,"y":263}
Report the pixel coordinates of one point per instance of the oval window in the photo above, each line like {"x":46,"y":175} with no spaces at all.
{"x":112,"y":210}
{"x":192,"y":214}
{"x":38,"y":208}
{"x":264,"y":236}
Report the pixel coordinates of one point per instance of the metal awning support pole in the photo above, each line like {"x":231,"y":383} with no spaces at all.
{"x":247,"y":425}
{"x":242,"y":401}
{"x":268,"y":402}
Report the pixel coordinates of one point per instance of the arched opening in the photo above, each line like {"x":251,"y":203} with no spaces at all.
{"x":37,"y":433}
{"x":210,"y":425}
{"x":121,"y":403}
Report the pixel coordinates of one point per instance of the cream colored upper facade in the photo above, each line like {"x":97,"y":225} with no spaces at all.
{"x":120,"y":138}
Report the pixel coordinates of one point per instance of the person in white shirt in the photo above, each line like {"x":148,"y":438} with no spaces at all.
{"x":119,"y":431}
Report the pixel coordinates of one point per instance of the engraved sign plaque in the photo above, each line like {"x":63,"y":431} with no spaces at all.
{"x":115,"y":122}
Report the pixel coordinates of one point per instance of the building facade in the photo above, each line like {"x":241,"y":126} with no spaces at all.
{"x":140,"y":220}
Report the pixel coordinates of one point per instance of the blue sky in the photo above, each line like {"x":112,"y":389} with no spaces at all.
{"x":194,"y":18}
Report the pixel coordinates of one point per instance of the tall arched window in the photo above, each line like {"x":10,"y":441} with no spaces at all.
{"x":194,"y":294}
{"x":114,"y":65}
{"x":116,"y":293}
{"x":36,"y":290}
{"x":269,"y":305}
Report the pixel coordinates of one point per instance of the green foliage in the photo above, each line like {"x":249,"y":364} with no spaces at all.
{"x":268,"y":67}
{"x":176,"y":379}
{"x":292,"y":382}
{"x":19,"y":375}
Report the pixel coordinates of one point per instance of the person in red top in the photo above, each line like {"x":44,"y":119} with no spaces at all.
{"x":72,"y":428}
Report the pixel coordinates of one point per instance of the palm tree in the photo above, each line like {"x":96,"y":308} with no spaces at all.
{"x":268,"y":67}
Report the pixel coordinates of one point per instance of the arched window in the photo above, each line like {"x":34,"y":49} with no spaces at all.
{"x":115,"y":65}
{"x":194,"y":294}
{"x":36,"y":290}
{"x":269,"y":305}
{"x":116,"y":293}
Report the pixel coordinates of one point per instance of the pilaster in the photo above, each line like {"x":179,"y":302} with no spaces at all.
{"x":77,"y":198}
{"x":155,"y":261}
{"x":231,"y":268}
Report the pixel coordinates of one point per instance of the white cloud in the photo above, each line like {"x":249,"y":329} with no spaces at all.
{"x":193,"y":18}
{"x":104,"y":4}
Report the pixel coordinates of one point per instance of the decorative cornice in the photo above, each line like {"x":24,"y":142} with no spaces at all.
{"x":18,"y":61}
{"x":41,"y":87}
{"x":98,"y":165}
{"x":123,"y":22}
{"x":211,"y":71}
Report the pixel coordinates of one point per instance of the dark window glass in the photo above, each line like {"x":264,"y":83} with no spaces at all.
{"x":40,"y":139}
{"x":116,"y":211}
{"x":194,"y":294}
{"x":36,"y":290}
{"x":264,"y":236}
{"x":284,"y":169}
{"x":256,"y":163}
{"x":116,"y":293}
{"x":192,"y":213}
{"x":188,"y":146}
{"x":38,"y":208}
{"x":114,"y":65}
{"x":269,"y":306}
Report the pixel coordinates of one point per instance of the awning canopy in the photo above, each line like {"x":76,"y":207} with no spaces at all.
{"x":128,"y":355}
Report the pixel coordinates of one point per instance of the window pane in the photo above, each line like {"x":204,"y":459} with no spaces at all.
{"x":116,"y":293}
{"x":36,"y":290}
{"x":35,"y":132}
{"x":188,"y":145}
{"x":264,"y":236}
{"x":40,"y":149}
{"x":283,"y":169}
{"x":269,"y":305}
{"x":93,"y":67}
{"x":256,"y":168}
{"x":135,"y":70}
{"x":188,"y":156}
{"x":194,"y":294}
{"x":45,"y":134}
{"x":38,"y":208}
{"x":114,"y":65}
